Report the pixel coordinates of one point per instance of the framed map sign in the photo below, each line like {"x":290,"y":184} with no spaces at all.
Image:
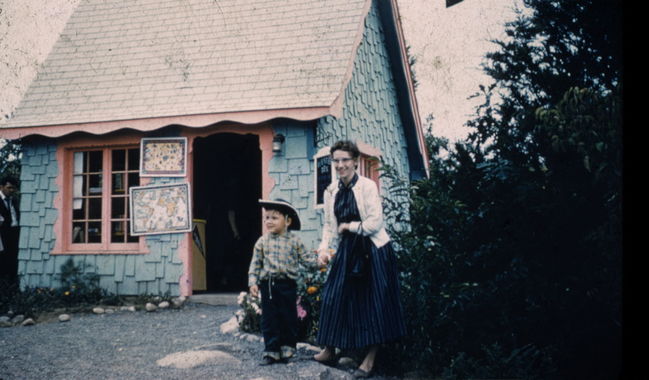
{"x":163,"y":157}
{"x":160,"y":209}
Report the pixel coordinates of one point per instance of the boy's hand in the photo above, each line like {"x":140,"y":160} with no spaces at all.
{"x":323,"y":257}
{"x":254,"y":291}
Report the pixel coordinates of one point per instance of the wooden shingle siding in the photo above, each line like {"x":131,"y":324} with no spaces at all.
{"x":370,"y":114}
{"x":370,"y":110}
{"x":160,"y":270}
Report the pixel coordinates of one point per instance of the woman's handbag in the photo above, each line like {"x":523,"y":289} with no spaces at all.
{"x":360,"y":255}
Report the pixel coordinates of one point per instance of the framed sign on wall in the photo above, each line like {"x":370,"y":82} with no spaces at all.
{"x":160,"y":209}
{"x":163,"y":157}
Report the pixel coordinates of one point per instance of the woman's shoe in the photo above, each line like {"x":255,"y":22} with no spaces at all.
{"x":331,"y":362}
{"x":362,"y":374}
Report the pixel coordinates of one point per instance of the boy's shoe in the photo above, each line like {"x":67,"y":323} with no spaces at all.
{"x":286,"y":352}
{"x":270,"y":358}
{"x":267,"y":360}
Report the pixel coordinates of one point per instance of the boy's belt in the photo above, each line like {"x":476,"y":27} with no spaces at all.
{"x":274,"y":279}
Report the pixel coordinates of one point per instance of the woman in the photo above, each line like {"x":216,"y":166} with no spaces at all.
{"x":358,"y":310}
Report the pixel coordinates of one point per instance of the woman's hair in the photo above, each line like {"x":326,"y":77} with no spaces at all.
{"x":347,"y":146}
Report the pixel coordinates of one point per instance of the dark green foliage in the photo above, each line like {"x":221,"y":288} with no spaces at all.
{"x":77,"y":285}
{"x":10,"y":153}
{"x":512,"y":265}
{"x":78,"y":290}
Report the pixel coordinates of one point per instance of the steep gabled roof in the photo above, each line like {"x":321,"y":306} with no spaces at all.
{"x":200,"y":62}
{"x":125,"y":60}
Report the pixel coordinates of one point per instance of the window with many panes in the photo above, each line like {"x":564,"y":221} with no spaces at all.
{"x":100,"y":197}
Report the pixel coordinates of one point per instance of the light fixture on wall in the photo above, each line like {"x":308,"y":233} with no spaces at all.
{"x":278,"y":141}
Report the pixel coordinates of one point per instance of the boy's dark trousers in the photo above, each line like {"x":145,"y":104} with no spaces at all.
{"x":279,"y":314}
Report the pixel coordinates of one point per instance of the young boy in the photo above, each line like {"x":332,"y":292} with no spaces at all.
{"x":273,"y":272}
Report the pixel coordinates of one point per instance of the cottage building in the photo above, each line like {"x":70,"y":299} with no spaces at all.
{"x":152,"y":124}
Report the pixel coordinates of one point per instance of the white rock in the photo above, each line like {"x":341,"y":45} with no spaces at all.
{"x":150,"y":307}
{"x":109,"y":311}
{"x":131,"y":308}
{"x":5,"y":318}
{"x":191,"y":359}
{"x":163,"y":305}
{"x":64,"y":317}
{"x":178,"y":301}
{"x":28,"y":322}
{"x":230,"y":326}
{"x":98,"y":310}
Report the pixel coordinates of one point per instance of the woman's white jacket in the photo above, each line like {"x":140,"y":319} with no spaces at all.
{"x":370,"y":208}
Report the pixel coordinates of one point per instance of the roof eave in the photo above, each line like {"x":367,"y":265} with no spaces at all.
{"x":418,"y":154}
{"x":150,"y":124}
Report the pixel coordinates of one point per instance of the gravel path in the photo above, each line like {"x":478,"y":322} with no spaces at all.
{"x":167,"y":344}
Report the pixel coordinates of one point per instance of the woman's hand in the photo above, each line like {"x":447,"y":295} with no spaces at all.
{"x":342,"y":227}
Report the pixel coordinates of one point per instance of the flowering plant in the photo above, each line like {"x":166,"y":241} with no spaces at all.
{"x":309,"y":290}
{"x":307,"y":305}
{"x":249,"y":316}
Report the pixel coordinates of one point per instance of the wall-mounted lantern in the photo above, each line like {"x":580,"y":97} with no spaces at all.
{"x":278,"y":141}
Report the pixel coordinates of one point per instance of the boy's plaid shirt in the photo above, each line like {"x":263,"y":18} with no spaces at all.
{"x":278,"y":256}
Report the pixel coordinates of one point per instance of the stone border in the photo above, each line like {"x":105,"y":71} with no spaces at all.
{"x":65,"y":315}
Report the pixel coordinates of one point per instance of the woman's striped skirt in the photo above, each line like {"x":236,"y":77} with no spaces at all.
{"x":359,"y":312}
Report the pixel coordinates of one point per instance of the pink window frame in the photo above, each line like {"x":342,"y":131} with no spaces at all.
{"x":63,"y":227}
{"x":372,"y":156}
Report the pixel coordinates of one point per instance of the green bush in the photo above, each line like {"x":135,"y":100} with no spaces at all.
{"x":309,"y":290}
{"x":514,"y":271}
{"x":78,"y":290}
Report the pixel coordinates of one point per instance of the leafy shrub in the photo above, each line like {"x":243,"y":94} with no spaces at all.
{"x":79,"y":286}
{"x":78,"y":290}
{"x":309,"y":290}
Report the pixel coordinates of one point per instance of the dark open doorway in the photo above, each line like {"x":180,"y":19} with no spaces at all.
{"x":227,"y":186}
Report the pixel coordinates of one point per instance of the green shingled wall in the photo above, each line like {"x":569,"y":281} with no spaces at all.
{"x":370,"y":110}
{"x":155,"y":273}
{"x":370,"y":114}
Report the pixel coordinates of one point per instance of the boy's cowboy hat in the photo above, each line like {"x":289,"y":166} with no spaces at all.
{"x":285,"y":208}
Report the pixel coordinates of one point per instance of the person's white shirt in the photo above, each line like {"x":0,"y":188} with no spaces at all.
{"x":370,"y":209}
